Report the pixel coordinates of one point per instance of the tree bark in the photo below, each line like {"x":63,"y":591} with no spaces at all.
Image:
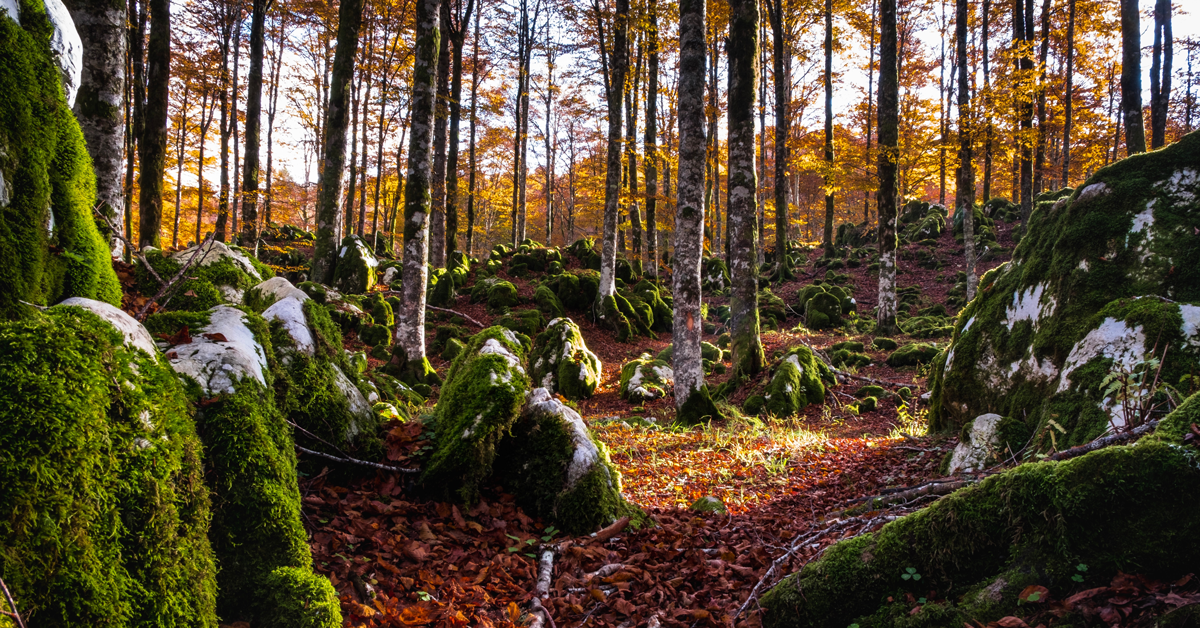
{"x":183,"y":119}
{"x":631,"y":111}
{"x":742,"y":47}
{"x":101,"y":26}
{"x":1160,"y":73}
{"x":1039,"y":158}
{"x":1023,"y":42}
{"x":253,"y":114}
{"x":272,"y":109}
{"x":616,"y":67}
{"x":548,"y":139}
{"x":888,"y":153}
{"x":229,"y":19}
{"x":409,"y":355}
{"x":965,"y":186}
{"x":870,"y":103}
{"x":152,"y":148}
{"x":458,"y":36}
{"x":471,"y":157}
{"x":827,"y":179}
{"x":650,"y":145}
{"x":984,"y":33}
{"x":1131,"y":78}
{"x":356,"y":104}
{"x":326,"y":246}
{"x":783,"y":97}
{"x":1069,"y":96}
{"x":437,"y":225}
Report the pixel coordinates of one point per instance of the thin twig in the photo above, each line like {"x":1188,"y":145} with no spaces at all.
{"x":128,"y":245}
{"x":363,"y":463}
{"x":797,"y":543}
{"x":15,"y":614}
{"x":942,"y":488}
{"x":1103,"y":441}
{"x":141,"y":315}
{"x":441,"y":309}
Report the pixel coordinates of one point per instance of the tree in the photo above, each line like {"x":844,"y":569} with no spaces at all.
{"x":889,"y":127}
{"x":748,"y":355}
{"x":101,"y":26}
{"x":650,"y":144}
{"x":1069,"y":96}
{"x":783,"y":97}
{"x":474,"y":120}
{"x":460,"y":19}
{"x":409,"y":355}
{"x":1160,"y":73}
{"x":828,"y":176}
{"x":692,"y":401}
{"x":1039,"y":159}
{"x":152,"y":146}
{"x":437,"y":223}
{"x":254,"y":83}
{"x":614,"y":64}
{"x":1131,"y":78}
{"x":1022,"y":23}
{"x":326,"y":246}
{"x":964,"y":200}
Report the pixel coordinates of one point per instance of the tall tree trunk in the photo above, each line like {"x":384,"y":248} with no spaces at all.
{"x":437,"y":225}
{"x":943,"y":109}
{"x":253,"y":114}
{"x":984,"y":33}
{"x":1023,"y":43}
{"x":889,"y":123}
{"x":1039,"y":159}
{"x":471,"y":149}
{"x":204,"y":124}
{"x":233,"y":122}
{"x":458,"y":35}
{"x":548,"y":138}
{"x":631,"y":111}
{"x":356,"y":101}
{"x":272,"y":109}
{"x":1069,"y":96}
{"x":101,"y":26}
{"x":137,"y":55}
{"x":617,"y":65}
{"x":1160,"y":73}
{"x":152,"y":149}
{"x":365,"y":119}
{"x":1131,"y":78}
{"x":409,"y":356}
{"x":692,"y":401}
{"x":827,"y":179}
{"x":650,"y":144}
{"x":183,"y":118}
{"x":748,"y":357}
{"x":783,"y":97}
{"x":964,"y":200}
{"x":870,"y":119}
{"x":223,"y":193}
{"x":326,"y":246}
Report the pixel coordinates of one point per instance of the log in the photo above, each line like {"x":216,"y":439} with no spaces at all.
{"x":1104,"y":441}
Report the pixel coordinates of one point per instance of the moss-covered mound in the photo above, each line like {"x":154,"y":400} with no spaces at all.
{"x":714,"y":276}
{"x":558,"y":471}
{"x":479,"y":402}
{"x":526,"y":322}
{"x":799,"y":380}
{"x":825,"y":305}
{"x":1117,"y":509}
{"x":50,"y":248}
{"x":920,"y":221}
{"x":103,"y":511}
{"x":913,"y":354}
{"x":662,"y":314}
{"x":646,"y":378}
{"x":355,"y":272}
{"x":561,"y":362}
{"x":1049,"y":326}
{"x":220,"y":274}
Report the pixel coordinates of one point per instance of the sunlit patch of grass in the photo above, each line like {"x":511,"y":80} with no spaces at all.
{"x":909,"y":422}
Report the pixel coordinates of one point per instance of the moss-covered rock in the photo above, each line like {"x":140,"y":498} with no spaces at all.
{"x":714,"y":276}
{"x":913,"y":354}
{"x":356,"y":268}
{"x":298,"y":598}
{"x":884,"y":344}
{"x":104,"y":514}
{"x":979,"y":547}
{"x":558,"y":471}
{"x":709,"y":504}
{"x":479,"y":403}
{"x":662,"y":316}
{"x":771,"y":309}
{"x":501,"y":296}
{"x":547,"y":302}
{"x":561,"y":362}
{"x":265,"y":294}
{"x":799,"y":380}
{"x":442,"y":290}
{"x":219,"y":275}
{"x":587,"y":252}
{"x":708,"y":351}
{"x":1086,"y":294}
{"x":50,"y":248}
{"x":645,"y":378}
{"x":527,"y":322}
{"x":452,"y":349}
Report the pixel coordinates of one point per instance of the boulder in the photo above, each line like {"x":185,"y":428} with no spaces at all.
{"x":273,"y":290}
{"x":135,"y":334}
{"x":979,"y":446}
{"x":561,"y":362}
{"x":714,"y":276}
{"x":547,"y":302}
{"x":221,"y":354}
{"x":558,"y":471}
{"x":913,"y":354}
{"x":355,"y":272}
{"x":1106,"y":280}
{"x":709,"y":504}
{"x":646,"y":378}
{"x":799,"y":380}
{"x":525,"y":322}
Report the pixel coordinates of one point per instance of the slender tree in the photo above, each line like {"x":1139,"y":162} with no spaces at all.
{"x":460,"y":19}
{"x":1160,"y":73}
{"x":1069,"y":96}
{"x":783,"y":96}
{"x":614,"y":64}
{"x":889,"y":152}
{"x":870,"y":113}
{"x":441,"y":114}
{"x":326,"y":246}
{"x":180,"y":136}
{"x":409,"y":356}
{"x":1039,"y":158}
{"x":273,"y":109}
{"x":1131,"y":78}
{"x":827,"y":179}
{"x":1022,"y":23}
{"x":631,"y":174}
{"x":964,"y":200}
{"x":650,"y":144}
{"x":254,"y":85}
{"x":475,"y":62}
{"x":230,"y":18}
{"x":152,"y":147}
{"x":988,"y":131}
{"x":692,"y":401}
{"x":742,"y":207}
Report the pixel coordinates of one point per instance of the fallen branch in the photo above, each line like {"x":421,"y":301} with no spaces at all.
{"x":545,"y":570}
{"x":348,"y":460}
{"x":441,"y":309}
{"x":1103,"y":441}
{"x":611,"y":531}
{"x":942,"y":488}
{"x":871,"y":380}
{"x":15,"y":614}
{"x":128,"y":245}
{"x":141,"y":315}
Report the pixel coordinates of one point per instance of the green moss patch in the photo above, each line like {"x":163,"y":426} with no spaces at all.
{"x":561,"y":362}
{"x":645,"y":378}
{"x":799,"y":380}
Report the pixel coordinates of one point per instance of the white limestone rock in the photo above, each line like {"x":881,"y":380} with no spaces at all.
{"x":221,"y":354}
{"x":67,"y":48}
{"x":135,"y":334}
{"x":983,"y":440}
{"x":290,"y":313}
{"x":585,"y":453}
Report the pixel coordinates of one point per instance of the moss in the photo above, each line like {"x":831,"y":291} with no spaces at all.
{"x":616,"y":318}
{"x":699,"y":408}
{"x":479,"y":402}
{"x":1045,"y":516}
{"x":771,"y":309}
{"x":708,"y":504}
{"x":708,"y":351}
{"x":315,"y":291}
{"x":823,"y":310}
{"x":547,"y":302}
{"x":714,"y":276}
{"x":355,"y":272}
{"x":753,"y":405}
{"x":561,"y":362}
{"x":103,"y":511}
{"x":870,"y":390}
{"x":799,"y":380}
{"x":45,"y":167}
{"x":913,"y":354}
{"x":845,"y":357}
{"x":380,"y":309}
{"x":661,"y":314}
{"x":868,"y":404}
{"x":442,"y":293}
{"x":527,"y":322}
{"x":645,"y":378}
{"x":202,"y":288}
{"x":170,"y":323}
{"x":297,"y":598}
{"x":444,"y":334}
{"x":501,"y":296}
{"x":452,"y":349}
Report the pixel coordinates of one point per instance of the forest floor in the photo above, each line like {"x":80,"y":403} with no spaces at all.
{"x":400,"y":561}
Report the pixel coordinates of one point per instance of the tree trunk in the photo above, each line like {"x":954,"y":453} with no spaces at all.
{"x":1023,"y":42}
{"x":984,"y":33}
{"x":1069,"y":96}
{"x":204,"y":123}
{"x":1039,"y":158}
{"x":617,"y":66}
{"x":366,"y":142}
{"x":742,"y":207}
{"x":965,"y":186}
{"x":548,"y":137}
{"x":409,"y":356}
{"x":692,"y":401}
{"x":356,"y":101}
{"x":437,"y":225}
{"x":253,"y":114}
{"x":326,"y":246}
{"x":458,"y":38}
{"x":1131,"y":78}
{"x":272,"y":109}
{"x":101,"y":26}
{"x":152,"y":149}
{"x":183,"y":118}
{"x":1160,"y":73}
{"x":137,"y":54}
{"x":223,"y":193}
{"x":889,"y":122}
{"x":870,"y":102}
{"x":233,"y":123}
{"x":827,"y":179}
{"x":471,"y":157}
{"x":631,"y":111}
{"x":650,"y":145}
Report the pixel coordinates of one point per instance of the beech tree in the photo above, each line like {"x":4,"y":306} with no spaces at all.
{"x":889,"y":127}
{"x":254,"y":84}
{"x":1131,"y":78}
{"x":828,"y":175}
{"x":1160,"y":73}
{"x":783,"y":96}
{"x":152,"y":146}
{"x":965,"y":186}
{"x":614,"y":64}
{"x":650,"y":144}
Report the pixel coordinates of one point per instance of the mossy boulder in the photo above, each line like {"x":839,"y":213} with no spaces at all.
{"x":576,"y":290}
{"x":709,"y":504}
{"x":799,"y":380}
{"x":547,"y":302}
{"x":1105,"y":279}
{"x":50,"y":248}
{"x":984,"y":227}
{"x":853,"y":235}
{"x":825,"y":305}
{"x":479,"y":402}
{"x":981,"y":546}
{"x":587,"y":252}
{"x":265,"y":294}
{"x":219,"y":274}
{"x":708,"y":351}
{"x":645,"y":378}
{"x":913,"y":354}
{"x":442,"y":289}
{"x":300,"y":599}
{"x":452,"y":349}
{"x":356,"y":268}
{"x":714,"y":276}
{"x":104,"y":515}
{"x":661,"y":313}
{"x":884,"y":344}
{"x":501,"y":296}
{"x":558,"y":471}
{"x":527,"y":322}
{"x":561,"y":362}
{"x":771,"y":309}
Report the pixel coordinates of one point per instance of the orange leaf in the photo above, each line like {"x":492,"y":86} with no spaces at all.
{"x":1034,"y":593}
{"x":1011,"y":622}
{"x":417,"y":614}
